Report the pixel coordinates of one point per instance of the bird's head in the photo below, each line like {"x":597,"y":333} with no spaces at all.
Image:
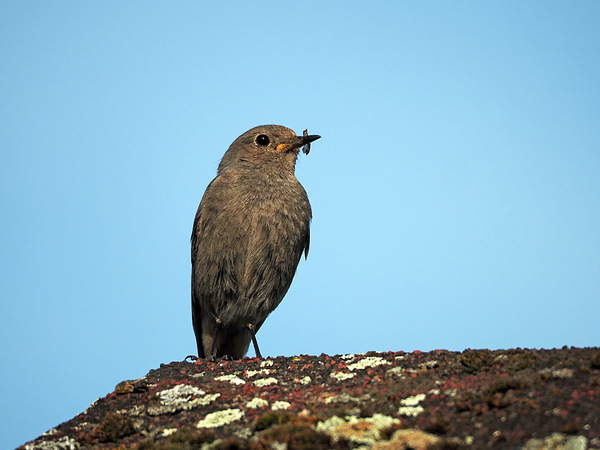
{"x":266,"y":145}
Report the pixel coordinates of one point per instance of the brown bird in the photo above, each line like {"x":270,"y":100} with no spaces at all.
{"x":250,"y":231}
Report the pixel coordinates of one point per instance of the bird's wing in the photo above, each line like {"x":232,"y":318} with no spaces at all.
{"x":197,"y":319}
{"x":307,"y":240}
{"x":196,"y":309}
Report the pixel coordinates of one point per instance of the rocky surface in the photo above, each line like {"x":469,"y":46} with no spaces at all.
{"x":534,"y":399}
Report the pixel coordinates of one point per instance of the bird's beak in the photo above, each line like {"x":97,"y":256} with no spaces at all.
{"x":299,"y":141}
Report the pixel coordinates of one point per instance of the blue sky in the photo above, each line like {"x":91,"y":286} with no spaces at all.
{"x":455,"y":190}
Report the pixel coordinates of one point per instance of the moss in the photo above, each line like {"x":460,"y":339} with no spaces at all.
{"x":571,"y":428}
{"x":366,"y":410}
{"x":521,"y":361}
{"x":467,"y":401}
{"x":231,"y":444}
{"x":183,"y":439}
{"x":474,"y":360}
{"x":447,"y":444}
{"x":270,"y":419}
{"x":499,"y":394}
{"x":505,"y":384}
{"x":595,"y":362}
{"x":295,"y":436}
{"x":113,"y":428}
{"x":437,"y":425}
{"x":386,"y":432}
{"x":153,"y":400}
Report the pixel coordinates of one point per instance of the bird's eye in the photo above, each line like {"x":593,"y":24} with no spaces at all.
{"x":262,"y":140}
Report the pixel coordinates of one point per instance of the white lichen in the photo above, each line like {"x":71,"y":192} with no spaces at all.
{"x":396,"y":372}
{"x":342,"y":398}
{"x":557,"y":440}
{"x":256,"y":403}
{"x":341,"y":376}
{"x":329,"y":425}
{"x":179,"y":394}
{"x":181,"y":397}
{"x":410,"y":405}
{"x":64,"y":443}
{"x":429,"y":364}
{"x":251,"y":373}
{"x":410,"y":411}
{"x":305,"y":380}
{"x":233,"y":379}
{"x":369,"y":361}
{"x":413,"y":401}
{"x":50,"y":432}
{"x":220,"y":418}
{"x":563,"y":373}
{"x":266,"y":363}
{"x":280,"y":405}
{"x":265,"y":382}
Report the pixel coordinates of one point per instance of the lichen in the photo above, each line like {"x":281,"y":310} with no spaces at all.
{"x":233,"y":379}
{"x":413,"y":401}
{"x":64,"y":443}
{"x":369,"y":361}
{"x":557,"y":440}
{"x":220,"y":418}
{"x":341,"y":398}
{"x":410,"y":405}
{"x":305,"y":380}
{"x":256,"y":403}
{"x":562,"y":373}
{"x":179,"y":394}
{"x":341,"y":376}
{"x":280,"y":405}
{"x":265,"y":382}
{"x":180,"y":398}
{"x":364,"y":431}
{"x":251,"y":373}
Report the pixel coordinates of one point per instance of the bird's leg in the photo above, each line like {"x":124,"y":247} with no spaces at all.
{"x":213,"y":347}
{"x":254,"y":341}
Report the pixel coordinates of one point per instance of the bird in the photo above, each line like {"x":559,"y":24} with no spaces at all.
{"x":250,"y":231}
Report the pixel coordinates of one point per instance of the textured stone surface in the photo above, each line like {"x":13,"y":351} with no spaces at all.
{"x":535,"y":399}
